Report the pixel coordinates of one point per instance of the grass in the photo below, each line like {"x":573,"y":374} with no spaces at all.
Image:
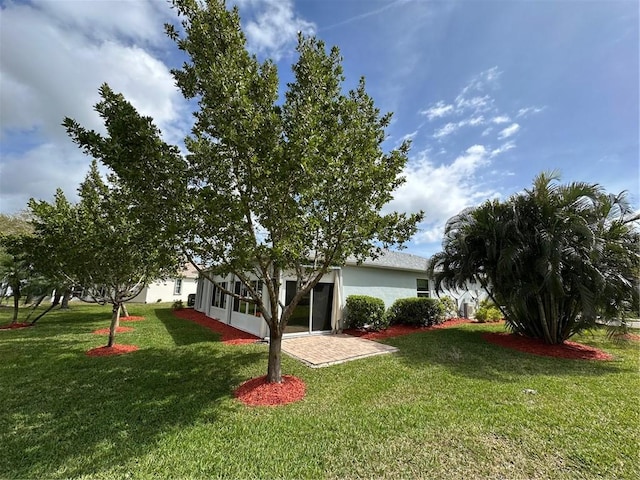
{"x":448,"y":405}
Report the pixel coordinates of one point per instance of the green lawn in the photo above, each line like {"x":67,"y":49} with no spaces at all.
{"x":448,"y":405}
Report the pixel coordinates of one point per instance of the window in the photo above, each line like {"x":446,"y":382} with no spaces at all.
{"x":243,"y":306}
{"x":218,"y":297}
{"x":177,"y":286}
{"x":423,"y":287}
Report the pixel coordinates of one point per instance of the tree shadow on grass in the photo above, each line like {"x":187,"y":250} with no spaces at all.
{"x":464,"y":352}
{"x":63,"y":322}
{"x":184,"y":332}
{"x":75,"y":415}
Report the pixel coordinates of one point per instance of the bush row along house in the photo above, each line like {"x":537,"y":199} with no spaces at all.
{"x":392,"y":276}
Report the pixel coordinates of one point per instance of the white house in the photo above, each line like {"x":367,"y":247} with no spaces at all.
{"x":171,"y":289}
{"x":392,"y":276}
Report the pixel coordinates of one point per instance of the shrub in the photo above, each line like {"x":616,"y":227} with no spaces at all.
{"x":449,"y":307}
{"x":488,"y":312}
{"x":177,"y":305}
{"x":421,"y":311}
{"x":364,"y":312}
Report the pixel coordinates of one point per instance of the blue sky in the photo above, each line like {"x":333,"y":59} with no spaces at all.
{"x":490,"y":92}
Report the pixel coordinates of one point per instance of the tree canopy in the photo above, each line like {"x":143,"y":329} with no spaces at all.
{"x":554,"y":258}
{"x":266,"y":187}
{"x":98,"y":246}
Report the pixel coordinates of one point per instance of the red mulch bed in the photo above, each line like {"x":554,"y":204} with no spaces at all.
{"x":399,"y":330}
{"x":108,"y":351}
{"x":568,"y":349}
{"x":131,"y":318}
{"x":104,"y":331}
{"x":15,"y":326}
{"x":228,"y":334}
{"x":257,"y":392}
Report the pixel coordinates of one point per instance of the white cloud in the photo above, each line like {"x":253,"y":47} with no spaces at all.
{"x":438,"y":110}
{"x":448,"y":129}
{"x":442,"y":190}
{"x":509,"y":131}
{"x":503,"y":148}
{"x":55,"y":71}
{"x":483,"y":81}
{"x":525,"y":112}
{"x":61,"y":52}
{"x":501,"y":119}
{"x":38,"y":172}
{"x":452,"y":127}
{"x":475,"y":121}
{"x":273,"y":26}
{"x":408,"y":136}
{"x":474,"y":103}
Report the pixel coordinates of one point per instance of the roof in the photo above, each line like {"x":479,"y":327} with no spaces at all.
{"x":394,"y":261}
{"x":189,"y":271}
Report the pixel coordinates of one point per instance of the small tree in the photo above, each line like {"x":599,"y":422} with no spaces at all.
{"x":552,"y":258}
{"x":266,"y":188}
{"x":98,"y":246}
{"x":15,"y":267}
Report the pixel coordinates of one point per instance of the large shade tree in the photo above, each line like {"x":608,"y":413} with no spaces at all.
{"x":267,"y":186}
{"x":98,"y":246}
{"x":554,"y":257}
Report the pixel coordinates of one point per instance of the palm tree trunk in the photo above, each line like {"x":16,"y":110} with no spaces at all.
{"x":543,"y":320}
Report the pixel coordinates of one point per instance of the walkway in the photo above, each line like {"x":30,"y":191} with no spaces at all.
{"x":324,"y":350}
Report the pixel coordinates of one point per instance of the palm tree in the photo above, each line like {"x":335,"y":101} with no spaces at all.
{"x":553,"y":258}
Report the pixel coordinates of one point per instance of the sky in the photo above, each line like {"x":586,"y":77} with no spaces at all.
{"x":491,"y":93}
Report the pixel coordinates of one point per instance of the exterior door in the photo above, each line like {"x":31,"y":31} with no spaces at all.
{"x":313,"y":312}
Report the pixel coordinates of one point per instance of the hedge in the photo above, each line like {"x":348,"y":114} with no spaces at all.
{"x":364,"y":312}
{"x":422,"y":311}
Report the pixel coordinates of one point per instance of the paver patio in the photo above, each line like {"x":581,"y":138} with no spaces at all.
{"x":324,"y":350}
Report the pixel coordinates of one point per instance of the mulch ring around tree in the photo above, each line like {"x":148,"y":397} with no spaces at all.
{"x":228,"y":334}
{"x":131,"y":318}
{"x":535,"y":346}
{"x":399,"y":330}
{"x":105,"y":331}
{"x":15,"y":326}
{"x":116,"y":349}
{"x":257,"y":392}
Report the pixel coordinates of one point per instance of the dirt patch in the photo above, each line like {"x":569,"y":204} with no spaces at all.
{"x":399,"y":330}
{"x":257,"y":392}
{"x":108,"y":351}
{"x":15,"y":326}
{"x":105,"y":331}
{"x":568,"y":349}
{"x":228,"y":334}
{"x":631,"y":336}
{"x":131,"y":318}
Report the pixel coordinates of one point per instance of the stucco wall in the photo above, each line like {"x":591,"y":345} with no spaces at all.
{"x":163,"y":291}
{"x":389,"y":285}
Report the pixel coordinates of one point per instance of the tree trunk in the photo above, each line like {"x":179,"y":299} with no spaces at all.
{"x":16,"y":305}
{"x":123,"y":310}
{"x":65,"y":299}
{"x":115,"y":322}
{"x":15,"y":290}
{"x":56,"y":301}
{"x":35,"y":306}
{"x":274,"y":371}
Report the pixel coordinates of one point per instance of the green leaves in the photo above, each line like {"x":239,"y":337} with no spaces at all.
{"x":554,"y":257}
